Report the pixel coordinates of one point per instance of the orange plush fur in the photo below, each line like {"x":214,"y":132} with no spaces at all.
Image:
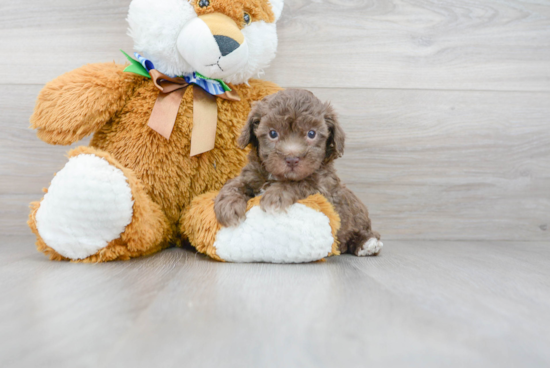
{"x":258,"y":10}
{"x":163,"y":178}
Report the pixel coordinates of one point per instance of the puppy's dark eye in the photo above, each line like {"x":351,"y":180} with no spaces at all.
{"x":273,"y":134}
{"x":311,"y":134}
{"x":204,"y":3}
{"x":247,"y":18}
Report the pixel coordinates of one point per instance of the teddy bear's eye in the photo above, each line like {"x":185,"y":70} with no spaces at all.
{"x":247,"y":18}
{"x":204,"y":3}
{"x":273,"y":134}
{"x":311,"y":134}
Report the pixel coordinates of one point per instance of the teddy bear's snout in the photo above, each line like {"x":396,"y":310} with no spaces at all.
{"x":214,"y":45}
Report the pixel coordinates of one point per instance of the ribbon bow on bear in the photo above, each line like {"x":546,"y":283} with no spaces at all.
{"x":165,"y":111}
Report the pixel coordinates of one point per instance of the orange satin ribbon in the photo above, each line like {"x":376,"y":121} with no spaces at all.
{"x":205,"y":111}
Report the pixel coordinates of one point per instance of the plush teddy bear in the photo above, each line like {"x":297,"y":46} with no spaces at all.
{"x":164,"y":132}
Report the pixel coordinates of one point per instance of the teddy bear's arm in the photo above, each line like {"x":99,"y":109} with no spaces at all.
{"x":80,"y":102}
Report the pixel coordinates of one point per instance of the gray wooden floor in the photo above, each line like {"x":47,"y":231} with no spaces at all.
{"x":420,"y":304}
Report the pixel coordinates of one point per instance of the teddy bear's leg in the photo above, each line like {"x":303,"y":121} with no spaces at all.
{"x":305,"y":233}
{"x":199,"y":224}
{"x":96,"y":210}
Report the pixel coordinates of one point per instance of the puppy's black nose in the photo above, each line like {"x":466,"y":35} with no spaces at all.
{"x":226,"y":44}
{"x":292,"y":161}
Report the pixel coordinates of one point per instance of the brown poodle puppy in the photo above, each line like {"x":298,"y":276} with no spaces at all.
{"x":295,"y":139}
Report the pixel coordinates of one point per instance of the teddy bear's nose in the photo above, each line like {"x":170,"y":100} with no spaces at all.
{"x":226,"y":44}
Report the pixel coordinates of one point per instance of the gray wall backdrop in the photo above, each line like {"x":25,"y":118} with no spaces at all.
{"x":446,"y":103}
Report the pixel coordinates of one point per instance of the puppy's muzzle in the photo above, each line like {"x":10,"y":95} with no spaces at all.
{"x":292,"y":162}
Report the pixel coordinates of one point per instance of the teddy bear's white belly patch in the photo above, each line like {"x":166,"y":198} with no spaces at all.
{"x":88,"y":204}
{"x":300,"y":235}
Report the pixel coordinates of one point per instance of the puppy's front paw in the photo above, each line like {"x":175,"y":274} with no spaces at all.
{"x":273,"y":202}
{"x":230,"y":210}
{"x":371,"y":248}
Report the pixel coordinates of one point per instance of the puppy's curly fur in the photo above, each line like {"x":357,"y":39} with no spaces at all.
{"x":295,"y":140}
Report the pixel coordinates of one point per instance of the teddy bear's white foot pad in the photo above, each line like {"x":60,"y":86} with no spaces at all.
{"x":297,"y":236}
{"x":371,"y":247}
{"x":88,"y":204}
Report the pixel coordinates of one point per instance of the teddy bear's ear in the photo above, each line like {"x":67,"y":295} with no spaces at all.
{"x":248,"y":136}
{"x":277,"y":6}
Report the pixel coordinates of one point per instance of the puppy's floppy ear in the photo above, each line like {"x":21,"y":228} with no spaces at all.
{"x":248,"y":136}
{"x":337,"y":137}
